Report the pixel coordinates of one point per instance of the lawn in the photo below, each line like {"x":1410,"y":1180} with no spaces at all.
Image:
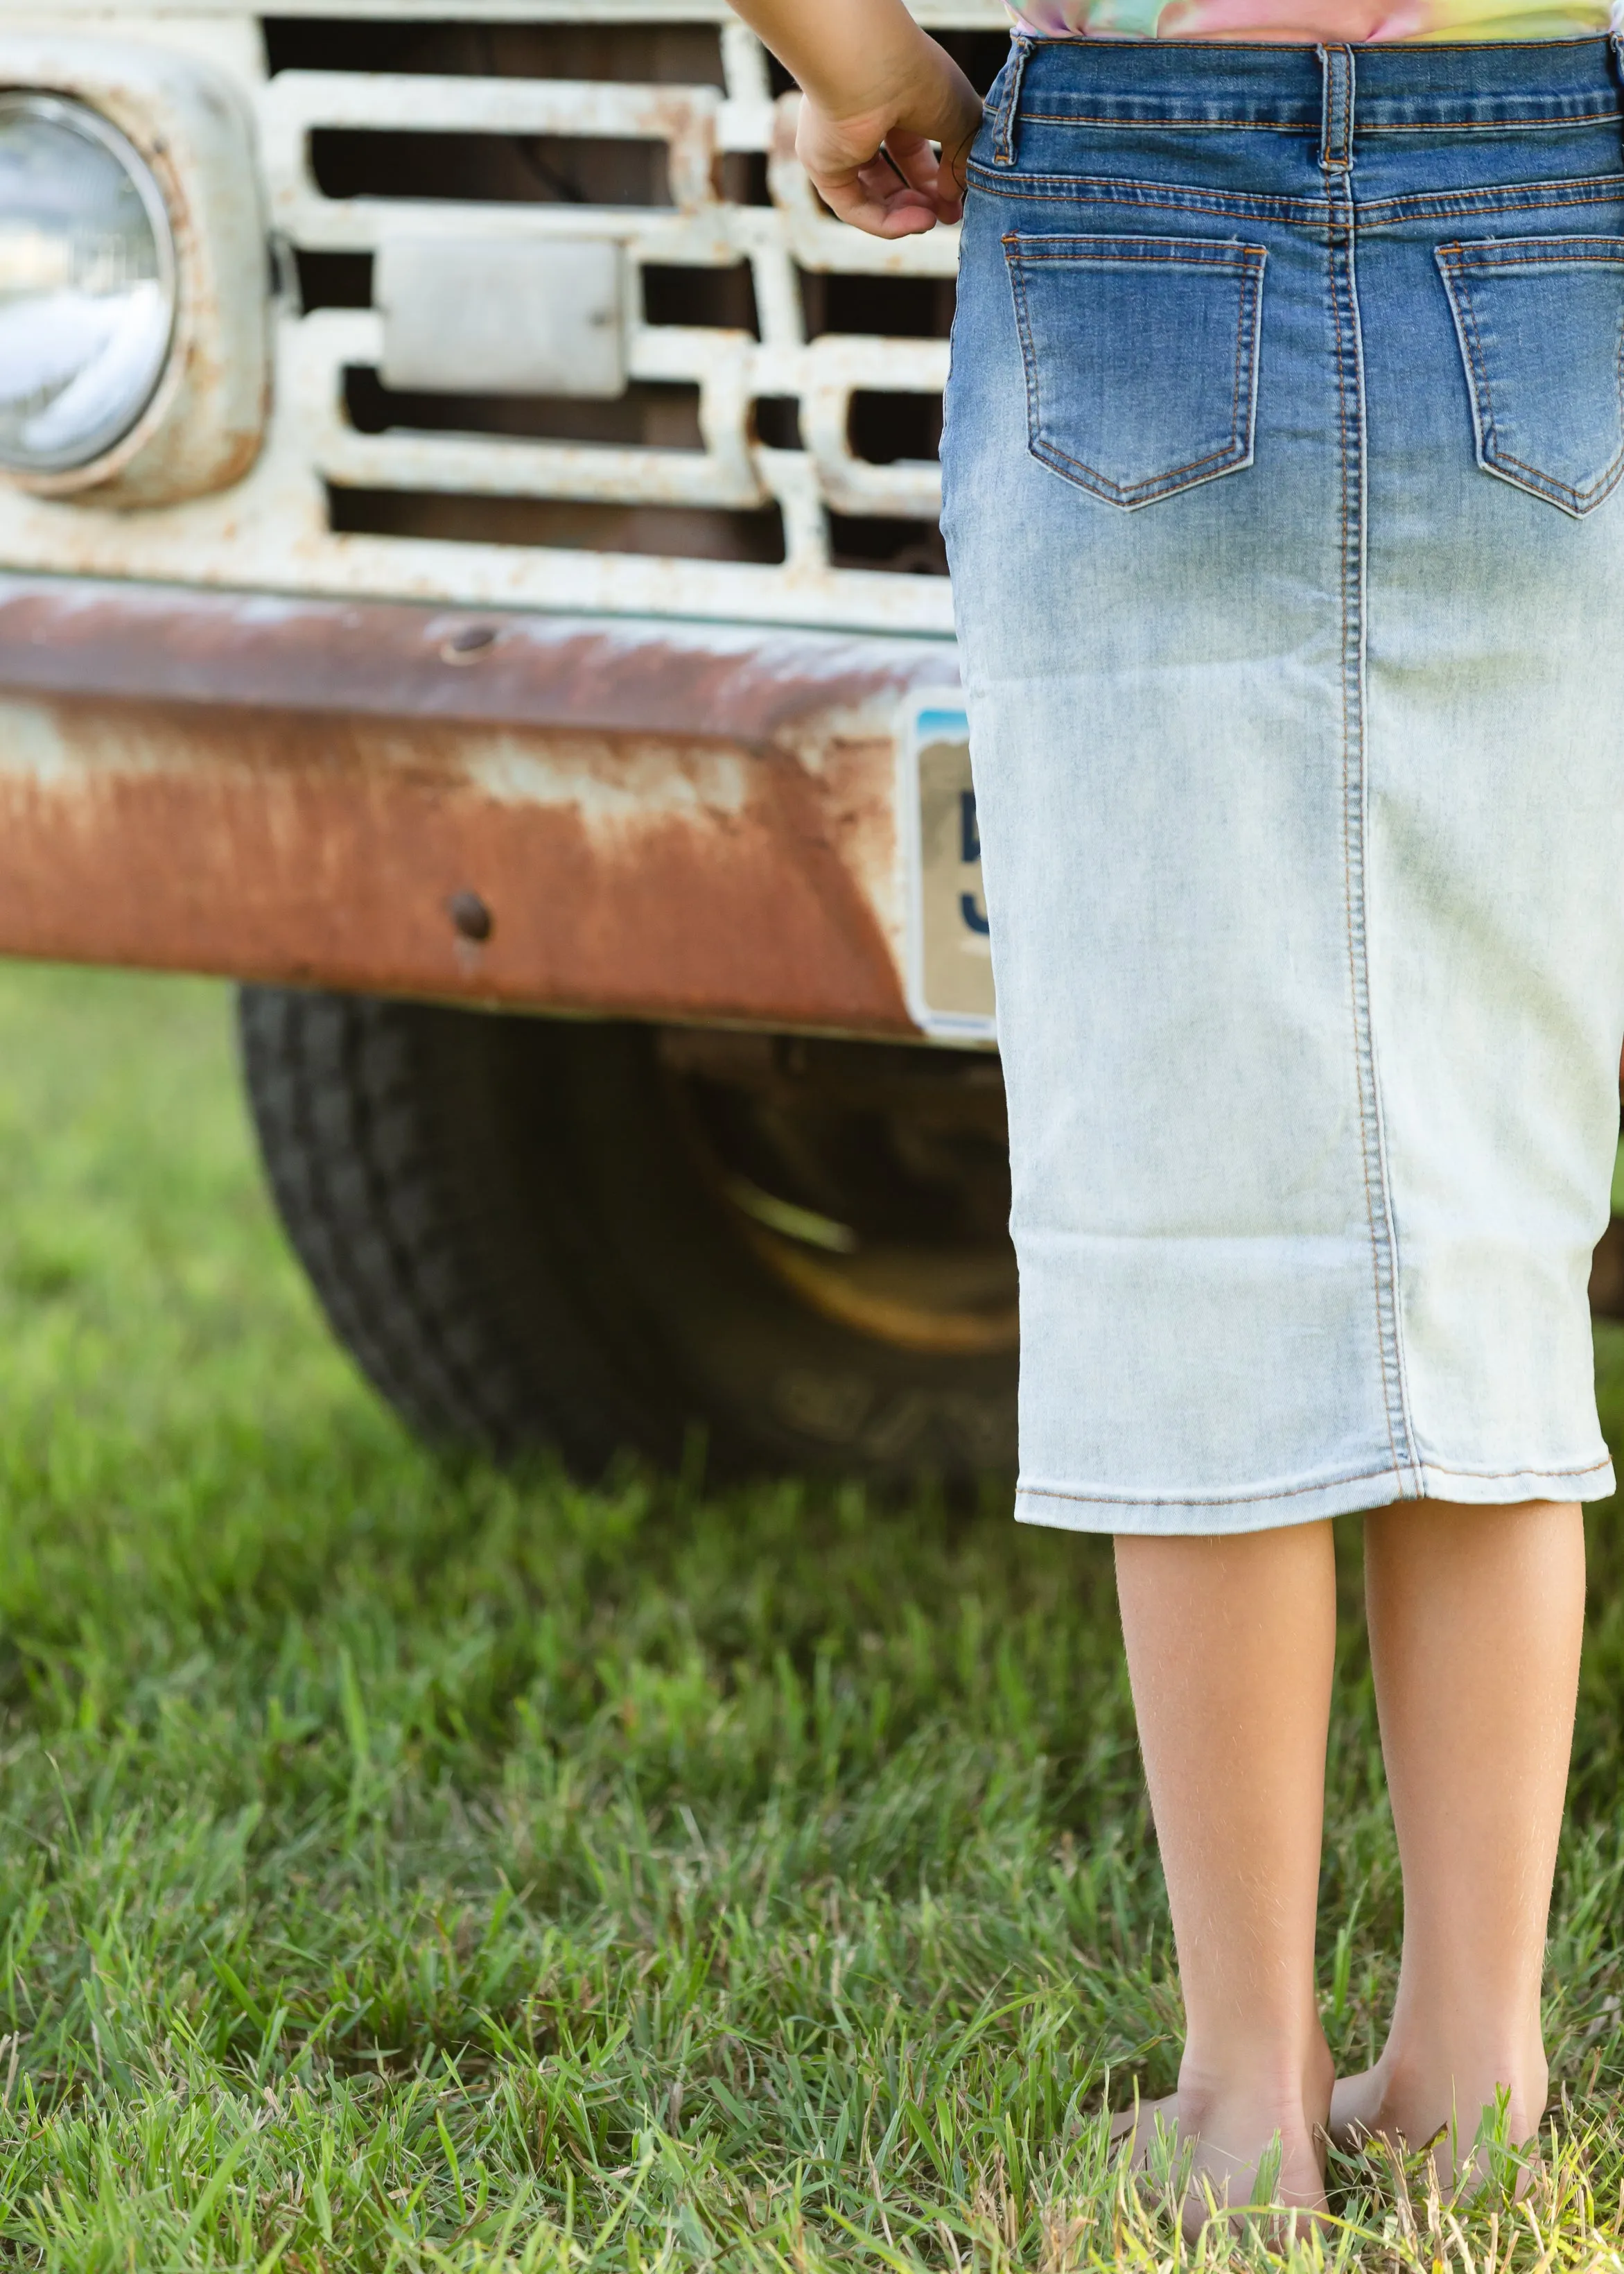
{"x":400,"y":1868}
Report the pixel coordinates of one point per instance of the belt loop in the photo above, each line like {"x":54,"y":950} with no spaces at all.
{"x":1616,"y":43}
{"x":1336,"y":109}
{"x":1021,"y":44}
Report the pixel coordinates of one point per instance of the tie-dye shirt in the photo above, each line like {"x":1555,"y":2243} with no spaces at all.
{"x":1312,"y":19}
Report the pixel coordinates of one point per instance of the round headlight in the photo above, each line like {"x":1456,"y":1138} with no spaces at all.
{"x":87,"y":285}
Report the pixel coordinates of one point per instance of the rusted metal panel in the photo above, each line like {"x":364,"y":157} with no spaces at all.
{"x":80,"y":636}
{"x":655,"y":820}
{"x":617,"y":873}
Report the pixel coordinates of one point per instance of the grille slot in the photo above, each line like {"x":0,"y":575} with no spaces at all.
{"x":489,"y":169}
{"x":672,"y":54}
{"x":886,"y":307}
{"x":664,"y":417}
{"x":722,"y":296}
{"x":334,"y":280}
{"x":666,"y":532}
{"x":889,"y":430}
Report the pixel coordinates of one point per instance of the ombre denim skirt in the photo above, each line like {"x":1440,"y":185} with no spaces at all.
{"x":1283,"y":448}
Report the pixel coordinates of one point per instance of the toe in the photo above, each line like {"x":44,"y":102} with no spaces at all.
{"x":1134,"y":2129}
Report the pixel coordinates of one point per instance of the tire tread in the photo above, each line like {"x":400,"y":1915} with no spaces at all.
{"x":375,"y":1210}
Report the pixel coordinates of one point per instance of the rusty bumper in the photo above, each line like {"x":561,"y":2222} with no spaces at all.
{"x":631,"y":817}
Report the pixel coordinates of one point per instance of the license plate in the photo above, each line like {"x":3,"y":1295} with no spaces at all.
{"x":949,"y":955}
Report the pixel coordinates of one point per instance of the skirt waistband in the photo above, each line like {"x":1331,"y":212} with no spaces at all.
{"x":1339,"y":92}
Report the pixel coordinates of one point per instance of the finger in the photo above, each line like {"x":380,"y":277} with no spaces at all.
{"x":866,"y":206}
{"x":882,"y":183}
{"x":956,"y":155}
{"x":869,"y":197}
{"x":881,"y":180}
{"x":952,"y":175}
{"x":916,"y":162}
{"x":862,"y":188}
{"x":914,"y":158}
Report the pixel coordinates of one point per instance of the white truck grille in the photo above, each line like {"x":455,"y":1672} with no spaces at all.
{"x":771,"y":457}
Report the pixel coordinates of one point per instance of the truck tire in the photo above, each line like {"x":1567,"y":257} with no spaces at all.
{"x":591,"y":1237}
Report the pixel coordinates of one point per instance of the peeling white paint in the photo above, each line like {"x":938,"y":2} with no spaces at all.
{"x":271,"y":532}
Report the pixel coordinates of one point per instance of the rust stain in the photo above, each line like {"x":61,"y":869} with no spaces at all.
{"x":660,"y":876}
{"x":379,"y":658}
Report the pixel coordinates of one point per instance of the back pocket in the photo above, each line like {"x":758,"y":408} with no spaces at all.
{"x":1141,"y":355}
{"x":1541,"y":326}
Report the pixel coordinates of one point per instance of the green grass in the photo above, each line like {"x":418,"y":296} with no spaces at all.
{"x":406,"y":1870}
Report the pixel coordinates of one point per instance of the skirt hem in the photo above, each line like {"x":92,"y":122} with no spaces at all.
{"x":1066,"y":1509}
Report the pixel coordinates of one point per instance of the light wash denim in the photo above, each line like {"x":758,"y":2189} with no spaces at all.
{"x":1282,"y":437}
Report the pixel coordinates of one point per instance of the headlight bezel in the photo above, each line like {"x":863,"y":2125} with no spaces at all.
{"x":72,"y":115}
{"x":191,"y":123}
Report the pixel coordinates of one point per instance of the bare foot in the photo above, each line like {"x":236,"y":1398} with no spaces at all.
{"x":1230,"y":2150}
{"x":1360,"y":2113}
{"x":1134,"y":2129}
{"x":1409,"y":2113}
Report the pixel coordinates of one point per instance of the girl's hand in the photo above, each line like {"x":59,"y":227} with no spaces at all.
{"x":875,"y":168}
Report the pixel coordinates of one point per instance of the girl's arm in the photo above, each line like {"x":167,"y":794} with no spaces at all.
{"x":878,"y":92}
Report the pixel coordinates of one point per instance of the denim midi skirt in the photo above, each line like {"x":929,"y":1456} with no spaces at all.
{"x":1282,"y":455}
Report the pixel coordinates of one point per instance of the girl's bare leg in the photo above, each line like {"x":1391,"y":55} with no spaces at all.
{"x":1230,"y":1644}
{"x":1474,"y":1619}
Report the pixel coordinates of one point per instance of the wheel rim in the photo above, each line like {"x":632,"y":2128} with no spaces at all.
{"x":871,"y":1182}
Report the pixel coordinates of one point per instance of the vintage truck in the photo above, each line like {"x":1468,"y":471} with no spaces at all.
{"x":469,"y":571}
